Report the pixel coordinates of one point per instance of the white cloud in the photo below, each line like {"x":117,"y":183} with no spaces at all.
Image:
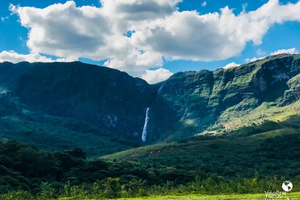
{"x":4,"y":18}
{"x":231,"y":65}
{"x":138,"y":10}
{"x":189,"y":36}
{"x":204,"y":3}
{"x":253,"y":59}
{"x":215,"y":36}
{"x":158,"y":30}
{"x":12,"y":56}
{"x":245,"y":5}
{"x":259,"y":52}
{"x":281,"y":51}
{"x":65,"y":30}
{"x":155,"y":76}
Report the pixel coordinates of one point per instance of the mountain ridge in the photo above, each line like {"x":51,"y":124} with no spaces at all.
{"x":198,"y":99}
{"x":41,"y":100}
{"x":79,"y":99}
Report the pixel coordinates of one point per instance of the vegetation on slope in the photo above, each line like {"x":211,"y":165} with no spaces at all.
{"x":57,"y":134}
{"x":238,"y":116}
{"x":194,"y":102}
{"x":57,"y":106}
{"x":262,"y":162}
{"x":248,"y":138}
{"x":270,"y":149}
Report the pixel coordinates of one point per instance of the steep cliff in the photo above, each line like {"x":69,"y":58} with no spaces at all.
{"x":104,"y":110}
{"x":107,"y":101}
{"x":192,"y":102}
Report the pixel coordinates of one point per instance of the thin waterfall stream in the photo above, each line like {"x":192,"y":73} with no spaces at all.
{"x":144,"y":134}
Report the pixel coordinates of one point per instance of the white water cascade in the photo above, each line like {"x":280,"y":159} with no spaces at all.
{"x":144,"y":135}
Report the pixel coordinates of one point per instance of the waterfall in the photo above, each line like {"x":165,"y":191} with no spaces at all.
{"x":144,"y":135}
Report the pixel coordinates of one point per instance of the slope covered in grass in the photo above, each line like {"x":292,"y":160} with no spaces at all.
{"x":193,"y":102}
{"x":232,"y":119}
{"x":269,"y":149}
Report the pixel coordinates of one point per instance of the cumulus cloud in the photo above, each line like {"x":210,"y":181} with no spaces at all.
{"x":188,"y":35}
{"x":231,"y":65}
{"x":14,"y":57}
{"x":281,"y":51}
{"x":139,"y":10}
{"x":289,"y":51}
{"x":155,"y":76}
{"x":158,"y":30}
{"x":65,"y":30}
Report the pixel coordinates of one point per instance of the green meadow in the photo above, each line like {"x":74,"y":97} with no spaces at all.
{"x":216,"y":197}
{"x":291,"y":196}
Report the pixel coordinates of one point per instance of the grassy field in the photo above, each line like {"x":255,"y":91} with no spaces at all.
{"x":291,"y":196}
{"x":217,"y":197}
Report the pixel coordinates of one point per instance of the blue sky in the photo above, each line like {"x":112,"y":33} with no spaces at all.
{"x":14,"y":36}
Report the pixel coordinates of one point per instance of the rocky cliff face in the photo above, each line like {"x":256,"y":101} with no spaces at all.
{"x":106,"y":98}
{"x":190,"y":102}
{"x":112,"y":102}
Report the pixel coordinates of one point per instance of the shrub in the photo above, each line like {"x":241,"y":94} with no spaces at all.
{"x":112,"y":188}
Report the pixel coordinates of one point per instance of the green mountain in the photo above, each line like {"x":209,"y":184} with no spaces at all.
{"x":229,"y":131}
{"x":58,"y":106}
{"x":219,"y":101}
{"x":243,"y":120}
